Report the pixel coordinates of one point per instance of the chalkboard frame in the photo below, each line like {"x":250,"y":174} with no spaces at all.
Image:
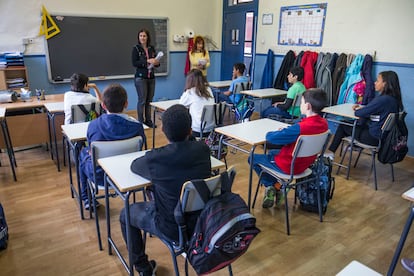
{"x":84,"y":40}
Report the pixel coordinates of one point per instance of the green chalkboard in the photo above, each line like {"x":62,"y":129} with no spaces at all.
{"x":101,"y":47}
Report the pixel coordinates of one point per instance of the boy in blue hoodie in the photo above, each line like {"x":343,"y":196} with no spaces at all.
{"x":110,"y":126}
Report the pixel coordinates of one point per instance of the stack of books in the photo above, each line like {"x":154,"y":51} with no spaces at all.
{"x":14,"y":59}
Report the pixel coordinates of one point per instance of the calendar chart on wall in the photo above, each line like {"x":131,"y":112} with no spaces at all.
{"x":302,"y":25}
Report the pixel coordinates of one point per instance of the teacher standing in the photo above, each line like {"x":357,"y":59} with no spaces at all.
{"x":143,"y":59}
{"x":199,"y":56}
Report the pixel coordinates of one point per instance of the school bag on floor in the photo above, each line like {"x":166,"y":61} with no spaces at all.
{"x":308,"y":192}
{"x":223,"y":231}
{"x":4,"y":234}
{"x":394,"y":144}
{"x":244,"y":109}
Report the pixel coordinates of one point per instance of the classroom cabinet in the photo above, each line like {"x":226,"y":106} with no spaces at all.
{"x":13,"y":74}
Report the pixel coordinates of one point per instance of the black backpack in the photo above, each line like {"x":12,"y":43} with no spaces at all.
{"x":308,"y":192}
{"x":223,"y":231}
{"x":393,"y":146}
{"x":4,"y":234}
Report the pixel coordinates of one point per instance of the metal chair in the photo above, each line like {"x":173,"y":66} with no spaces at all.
{"x":101,"y":149}
{"x":80,"y":111}
{"x":211,"y":117}
{"x":238,"y":87}
{"x":306,"y":146}
{"x":192,"y":202}
{"x":296,"y":103}
{"x":373,"y":150}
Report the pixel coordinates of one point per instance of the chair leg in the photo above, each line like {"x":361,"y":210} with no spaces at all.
{"x":286,"y":211}
{"x":357,"y":159}
{"x":320,"y":208}
{"x":230,"y":270}
{"x":375,"y":170}
{"x":257,"y":190}
{"x":98,"y":229}
{"x":392,"y":172}
{"x":342,"y":159}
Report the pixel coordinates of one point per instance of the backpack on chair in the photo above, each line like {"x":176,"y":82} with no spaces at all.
{"x":223,"y":231}
{"x":4,"y":234}
{"x":91,"y":114}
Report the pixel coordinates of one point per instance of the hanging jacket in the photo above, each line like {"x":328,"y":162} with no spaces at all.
{"x":267,"y":77}
{"x":323,"y":75}
{"x":338,"y":76}
{"x":187,"y":57}
{"x":298,"y":59}
{"x":281,"y":78}
{"x":366,"y":72}
{"x":308,"y":64}
{"x":352,"y":77}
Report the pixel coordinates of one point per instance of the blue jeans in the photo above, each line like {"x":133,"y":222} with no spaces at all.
{"x":268,"y":161}
{"x":142,"y":217}
{"x":275,"y":110}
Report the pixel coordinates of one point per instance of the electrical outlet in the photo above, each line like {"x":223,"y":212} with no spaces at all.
{"x":27,"y":41}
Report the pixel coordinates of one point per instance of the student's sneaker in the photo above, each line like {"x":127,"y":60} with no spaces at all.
{"x":269,"y":197}
{"x":150,"y":271}
{"x":87,"y":205}
{"x":280,"y":197}
{"x":330,"y":155}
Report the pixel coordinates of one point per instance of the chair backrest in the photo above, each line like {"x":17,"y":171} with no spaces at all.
{"x":102,"y":149}
{"x":389,"y":122}
{"x":309,"y":145}
{"x":296,"y":102}
{"x":241,"y":86}
{"x":190,"y":198}
{"x":212,"y":116}
{"x":80,"y":111}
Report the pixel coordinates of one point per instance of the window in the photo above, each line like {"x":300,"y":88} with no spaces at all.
{"x":248,"y":35}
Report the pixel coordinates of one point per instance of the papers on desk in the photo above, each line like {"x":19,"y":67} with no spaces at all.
{"x":409,"y":194}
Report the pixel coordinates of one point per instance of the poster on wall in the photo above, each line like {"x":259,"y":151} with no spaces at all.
{"x":302,"y":25}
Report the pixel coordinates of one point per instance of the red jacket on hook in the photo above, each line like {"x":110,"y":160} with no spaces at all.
{"x":308,"y":63}
{"x":187,"y":59}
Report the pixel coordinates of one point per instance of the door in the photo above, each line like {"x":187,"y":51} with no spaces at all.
{"x":233,"y":42}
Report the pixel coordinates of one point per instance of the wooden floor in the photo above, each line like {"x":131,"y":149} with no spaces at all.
{"x":47,"y":236}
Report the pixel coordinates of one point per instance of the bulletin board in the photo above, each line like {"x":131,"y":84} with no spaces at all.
{"x":101,"y":47}
{"x":302,"y":25}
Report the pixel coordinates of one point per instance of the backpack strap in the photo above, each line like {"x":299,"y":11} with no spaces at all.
{"x":202,"y":189}
{"x":226,"y":181}
{"x":83,"y":108}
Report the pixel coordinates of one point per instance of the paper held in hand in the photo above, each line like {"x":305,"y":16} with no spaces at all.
{"x":158,"y":57}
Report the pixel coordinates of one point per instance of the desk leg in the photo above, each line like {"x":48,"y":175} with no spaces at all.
{"x":52,"y":132}
{"x":401,"y":242}
{"x":9,"y":147}
{"x":108,"y":217}
{"x":76,"y":156}
{"x":127,"y":221}
{"x":153,"y":129}
{"x":351,"y":149}
{"x":251,"y":159}
{"x":49,"y":118}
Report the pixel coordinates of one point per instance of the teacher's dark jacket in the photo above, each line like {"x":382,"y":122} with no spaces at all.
{"x":139,"y":61}
{"x":168,"y":168}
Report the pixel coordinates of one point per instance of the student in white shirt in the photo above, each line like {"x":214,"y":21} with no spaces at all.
{"x":79,"y":94}
{"x":197,"y":94}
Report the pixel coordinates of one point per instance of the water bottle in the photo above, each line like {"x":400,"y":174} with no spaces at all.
{"x":38,"y":94}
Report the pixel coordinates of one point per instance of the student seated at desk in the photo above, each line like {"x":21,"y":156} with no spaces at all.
{"x":79,"y":94}
{"x":168,"y":168}
{"x":285,"y":108}
{"x":110,"y":126}
{"x":196,"y":95}
{"x":312,"y":102}
{"x":231,"y":96}
{"x":373,"y":115}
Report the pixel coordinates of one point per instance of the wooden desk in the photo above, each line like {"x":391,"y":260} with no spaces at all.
{"x":27,"y":122}
{"x":343,"y":111}
{"x":7,"y":141}
{"x":53,"y":110}
{"x":160,"y":106}
{"x":119,"y":176}
{"x":252,"y":133}
{"x":220,"y":84}
{"x":264,"y":94}
{"x":408,"y":195}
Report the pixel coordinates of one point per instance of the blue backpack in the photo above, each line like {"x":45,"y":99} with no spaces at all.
{"x":4,"y":234}
{"x":308,"y":192}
